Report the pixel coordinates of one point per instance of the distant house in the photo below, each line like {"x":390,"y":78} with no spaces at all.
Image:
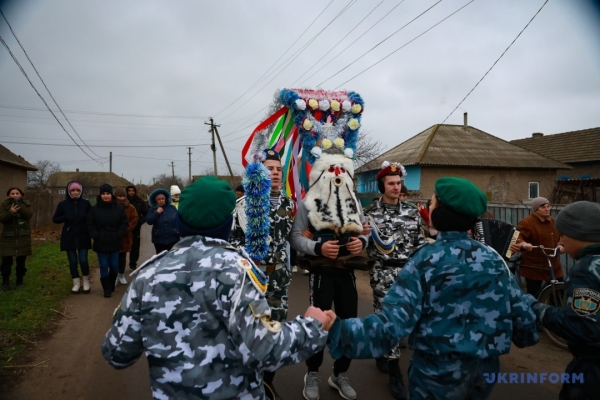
{"x":13,"y":170}
{"x":91,"y":182}
{"x":505,"y":172}
{"x":578,"y":149}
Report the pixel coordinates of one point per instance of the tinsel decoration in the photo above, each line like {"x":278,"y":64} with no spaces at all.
{"x":257,"y":185}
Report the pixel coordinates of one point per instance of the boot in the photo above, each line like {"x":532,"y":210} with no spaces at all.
{"x":5,"y":284}
{"x":396,"y":384}
{"x":270,"y":391}
{"x":76,"y":285}
{"x":106,"y":285}
{"x":86,"y":284}
{"x":113,"y":280}
{"x":382,"y":365}
{"x":19,"y":281}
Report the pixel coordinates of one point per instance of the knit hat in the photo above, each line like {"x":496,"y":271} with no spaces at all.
{"x":240,"y":188}
{"x":106,"y":188}
{"x":175,"y":190}
{"x":538,"y":202}
{"x":461,"y":196}
{"x":580,"y":221}
{"x":206,"y":203}
{"x":120,"y":192}
{"x":74,"y":185}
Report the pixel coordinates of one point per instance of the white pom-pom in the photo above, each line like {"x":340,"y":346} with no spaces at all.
{"x":346,"y":106}
{"x":385,"y":164}
{"x":323,"y":105}
{"x":403,"y":170}
{"x":316,"y":151}
{"x":301,"y":104}
{"x":349,"y":152}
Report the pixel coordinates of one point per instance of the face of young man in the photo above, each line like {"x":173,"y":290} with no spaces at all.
{"x":275,"y":170}
{"x":391,"y":185}
{"x":130,"y":192}
{"x":543,"y":211}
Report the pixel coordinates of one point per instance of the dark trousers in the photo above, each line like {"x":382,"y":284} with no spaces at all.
{"x":162,"y":247}
{"x":6,"y":265}
{"x":122,"y":262}
{"x":134,"y":255}
{"x":338,"y":289}
{"x":80,"y":255}
{"x":584,"y":380}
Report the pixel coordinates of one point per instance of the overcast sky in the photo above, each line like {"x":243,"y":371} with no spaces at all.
{"x":175,"y":64}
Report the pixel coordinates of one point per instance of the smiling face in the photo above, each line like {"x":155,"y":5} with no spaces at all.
{"x":106,"y":197}
{"x":15,"y":194}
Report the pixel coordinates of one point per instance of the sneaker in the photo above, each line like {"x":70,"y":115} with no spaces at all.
{"x":294,"y":269}
{"x":121,"y":279}
{"x":382,"y":365}
{"x":342,"y":384}
{"x":311,"y":386}
{"x":306,"y":272}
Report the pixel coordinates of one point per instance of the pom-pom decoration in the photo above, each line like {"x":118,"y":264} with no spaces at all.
{"x":353,"y":124}
{"x":346,"y":106}
{"x":326,"y":144}
{"x":349,"y":152}
{"x":356,"y":109}
{"x":339,"y":143}
{"x":313,"y":104}
{"x":257,"y":185}
{"x":300,"y":104}
{"x":323,"y":105}
{"x":335,"y":105}
{"x":316,"y":152}
{"x":307,"y":124}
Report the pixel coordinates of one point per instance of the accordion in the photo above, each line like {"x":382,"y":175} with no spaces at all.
{"x":497,"y":234}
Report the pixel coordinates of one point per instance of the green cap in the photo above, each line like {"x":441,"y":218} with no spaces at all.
{"x":206,"y":203}
{"x":461,"y":195}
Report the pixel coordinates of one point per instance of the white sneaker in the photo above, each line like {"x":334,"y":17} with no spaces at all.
{"x":294,"y":269}
{"x":311,"y":386}
{"x":121,"y":279}
{"x":76,"y":285}
{"x":86,"y":284}
{"x":306,"y":272}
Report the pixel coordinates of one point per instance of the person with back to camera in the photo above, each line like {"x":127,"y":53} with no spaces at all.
{"x":142,"y":210}
{"x":74,"y":238}
{"x":127,"y":241}
{"x":163,"y":218}
{"x":15,"y":241}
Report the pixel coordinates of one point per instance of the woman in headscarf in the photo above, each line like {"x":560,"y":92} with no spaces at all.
{"x":163,"y":218}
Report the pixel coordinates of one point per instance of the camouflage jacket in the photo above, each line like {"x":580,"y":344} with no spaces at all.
{"x":455,"y":297}
{"x":199,"y":314}
{"x":282,"y":218}
{"x":401,"y":222}
{"x":578,"y":322}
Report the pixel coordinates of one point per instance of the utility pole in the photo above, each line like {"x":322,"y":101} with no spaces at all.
{"x":212,"y":146}
{"x":223,"y":150}
{"x":190,"y":164}
{"x":172,"y":165}
{"x":110,"y":164}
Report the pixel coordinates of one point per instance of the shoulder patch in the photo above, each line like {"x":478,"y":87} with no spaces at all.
{"x":585,"y":301}
{"x":257,"y":277}
{"x":149,"y":261}
{"x":370,"y":207}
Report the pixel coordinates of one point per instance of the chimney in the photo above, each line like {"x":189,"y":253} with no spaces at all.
{"x":537,"y":135}
{"x":465,"y":121}
{"x":77,"y":170}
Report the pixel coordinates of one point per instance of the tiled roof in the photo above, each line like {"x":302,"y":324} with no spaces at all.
{"x":455,"y":145}
{"x":87,"y":179}
{"x":8,"y":157}
{"x":567,"y":147}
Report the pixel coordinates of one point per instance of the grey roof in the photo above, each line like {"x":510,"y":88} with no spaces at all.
{"x":567,"y":147}
{"x":10,"y":158}
{"x":87,"y":179}
{"x":457,"y":146}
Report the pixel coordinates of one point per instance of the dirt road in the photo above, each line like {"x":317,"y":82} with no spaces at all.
{"x":76,"y":369}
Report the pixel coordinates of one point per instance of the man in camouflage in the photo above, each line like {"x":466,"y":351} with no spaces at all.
{"x":200,"y":314}
{"x":396,"y":232}
{"x":455,"y":298}
{"x":578,"y":322}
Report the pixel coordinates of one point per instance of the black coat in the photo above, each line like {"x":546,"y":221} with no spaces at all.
{"x":73,"y":213}
{"x":107,"y":224}
{"x":142,"y":210}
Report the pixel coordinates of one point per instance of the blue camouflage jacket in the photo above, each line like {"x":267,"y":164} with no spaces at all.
{"x":455,"y":297}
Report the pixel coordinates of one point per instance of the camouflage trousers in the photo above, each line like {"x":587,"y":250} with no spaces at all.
{"x":440,"y":377}
{"x":277,"y":293}
{"x":381,"y":281}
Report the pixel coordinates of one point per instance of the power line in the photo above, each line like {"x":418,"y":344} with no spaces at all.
{"x":404,"y":45}
{"x":98,"y":140}
{"x":110,"y":114}
{"x":495,"y":62}
{"x":107,"y":146}
{"x":44,"y":83}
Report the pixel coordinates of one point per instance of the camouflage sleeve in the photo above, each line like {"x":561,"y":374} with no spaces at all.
{"x":375,"y":335}
{"x":524,"y":331}
{"x":123,"y":344}
{"x":265,"y":344}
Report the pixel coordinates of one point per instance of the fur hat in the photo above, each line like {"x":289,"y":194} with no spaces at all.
{"x":538,"y":202}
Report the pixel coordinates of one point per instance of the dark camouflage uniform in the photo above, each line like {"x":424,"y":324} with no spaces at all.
{"x":403,"y":223}
{"x":204,"y":325}
{"x":282,"y":218}
{"x":579,"y":323}
{"x":461,"y":307}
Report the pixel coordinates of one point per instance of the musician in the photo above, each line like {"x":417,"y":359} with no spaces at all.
{"x":535,"y":230}
{"x":447,"y":299}
{"x":396,"y":232}
{"x":579,"y":322}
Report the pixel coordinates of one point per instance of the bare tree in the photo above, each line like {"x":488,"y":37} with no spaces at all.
{"x":367,"y":148}
{"x":39,"y":179}
{"x":165,"y":181}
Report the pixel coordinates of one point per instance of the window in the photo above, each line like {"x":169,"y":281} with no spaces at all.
{"x":534,"y":190}
{"x":61,"y":191}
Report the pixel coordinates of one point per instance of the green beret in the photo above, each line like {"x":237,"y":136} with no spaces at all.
{"x":206,"y":203}
{"x":461,"y":195}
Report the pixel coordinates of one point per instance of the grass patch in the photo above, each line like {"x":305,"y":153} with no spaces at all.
{"x":25,"y":312}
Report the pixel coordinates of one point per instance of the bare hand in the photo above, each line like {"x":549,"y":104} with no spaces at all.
{"x":526,"y":246}
{"x":561,"y":249}
{"x":319,"y":315}
{"x":308,"y":234}
{"x":14,"y":208}
{"x":330,"y":249}
{"x":355,"y":245}
{"x":159,"y":210}
{"x":366,"y":229}
{"x":332,"y":317}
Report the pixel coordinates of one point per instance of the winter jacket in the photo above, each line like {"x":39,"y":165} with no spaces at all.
{"x":132,"y":218}
{"x":164,"y":225}
{"x":141,"y":207}
{"x":16,"y":233}
{"x":73,"y":214}
{"x":538,"y":231}
{"x":107,"y":224}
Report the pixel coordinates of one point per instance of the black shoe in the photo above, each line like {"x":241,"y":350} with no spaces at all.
{"x":105,"y":282}
{"x":396,"y":384}
{"x":19,"y":281}
{"x":382,"y":365}
{"x":270,"y":391}
{"x":133,"y":267}
{"x":403,"y":342}
{"x":5,"y":287}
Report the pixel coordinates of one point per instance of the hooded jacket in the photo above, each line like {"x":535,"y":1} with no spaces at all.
{"x":72,"y":212}
{"x":107,"y":224}
{"x":140,"y":206}
{"x":164,"y":225}
{"x":16,"y":232}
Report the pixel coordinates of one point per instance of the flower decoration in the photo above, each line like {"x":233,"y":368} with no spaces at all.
{"x":348,"y":152}
{"x":339,"y":143}
{"x":307,"y":124}
{"x":312,"y":103}
{"x":300,"y":104}
{"x":346,"y":105}
{"x":326,"y":143}
{"x":353,"y":124}
{"x":316,"y":152}
{"x":323,"y":105}
{"x":356,"y":108}
{"x":335,"y":105}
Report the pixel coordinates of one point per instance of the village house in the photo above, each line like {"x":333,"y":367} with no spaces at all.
{"x":91,"y":181}
{"x":13,"y":169}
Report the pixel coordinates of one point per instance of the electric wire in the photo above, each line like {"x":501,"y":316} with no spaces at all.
{"x":110,"y":114}
{"x":495,"y":62}
{"x":107,"y":146}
